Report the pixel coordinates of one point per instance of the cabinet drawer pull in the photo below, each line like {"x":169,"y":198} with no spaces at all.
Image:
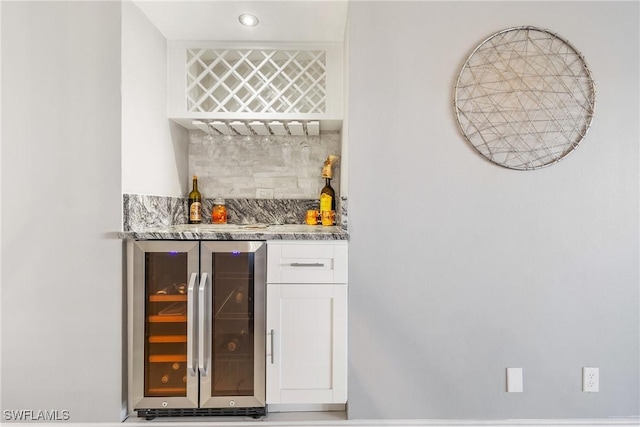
{"x":307,"y":264}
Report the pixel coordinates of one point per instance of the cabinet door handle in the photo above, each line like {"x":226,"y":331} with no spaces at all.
{"x":307,"y":264}
{"x":203,"y":341}
{"x":272,"y":346}
{"x":191,"y":325}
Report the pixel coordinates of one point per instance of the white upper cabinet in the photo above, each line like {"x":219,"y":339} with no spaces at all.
{"x":288,"y":88}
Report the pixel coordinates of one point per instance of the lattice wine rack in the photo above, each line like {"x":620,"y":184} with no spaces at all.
{"x":256,"y":81}
{"x":228,"y":85}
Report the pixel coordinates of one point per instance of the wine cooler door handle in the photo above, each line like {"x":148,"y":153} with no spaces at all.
{"x":203,"y":341}
{"x":191,"y":325}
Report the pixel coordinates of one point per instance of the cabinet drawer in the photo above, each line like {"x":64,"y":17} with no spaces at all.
{"x":307,"y":262}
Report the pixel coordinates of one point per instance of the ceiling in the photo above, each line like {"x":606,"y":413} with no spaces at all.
{"x":290,"y":21}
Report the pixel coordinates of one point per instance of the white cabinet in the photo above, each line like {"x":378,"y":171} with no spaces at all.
{"x":306,"y":323}
{"x":306,"y":326}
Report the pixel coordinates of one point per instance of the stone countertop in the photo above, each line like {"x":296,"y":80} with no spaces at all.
{"x":238,"y":232}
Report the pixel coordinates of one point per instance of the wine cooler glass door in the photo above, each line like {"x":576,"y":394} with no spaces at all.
{"x":164,"y":345}
{"x":233,"y":331}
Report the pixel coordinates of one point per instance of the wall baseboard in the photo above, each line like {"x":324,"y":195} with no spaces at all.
{"x":297,"y":421}
{"x":604,"y":422}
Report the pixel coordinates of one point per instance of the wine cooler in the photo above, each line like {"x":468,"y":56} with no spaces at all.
{"x":197,"y":328}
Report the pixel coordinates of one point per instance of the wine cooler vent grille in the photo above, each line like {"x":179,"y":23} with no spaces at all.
{"x":150,"y":414}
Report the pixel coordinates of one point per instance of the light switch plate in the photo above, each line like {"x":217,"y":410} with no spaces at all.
{"x":515,"y":382}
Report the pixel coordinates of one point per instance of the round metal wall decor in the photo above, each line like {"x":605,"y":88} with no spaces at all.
{"x":524,"y":98}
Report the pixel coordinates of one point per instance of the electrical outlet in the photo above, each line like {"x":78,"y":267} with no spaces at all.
{"x":264,"y":193}
{"x":590,"y":379}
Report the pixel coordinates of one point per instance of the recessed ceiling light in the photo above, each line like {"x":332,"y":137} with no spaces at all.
{"x":248,"y":20}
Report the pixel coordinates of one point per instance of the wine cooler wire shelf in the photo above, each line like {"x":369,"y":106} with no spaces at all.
{"x":238,"y":358}
{"x":235,"y":275}
{"x":167,"y":358}
{"x":167,"y":318}
{"x":233,"y":317}
{"x":162,"y":339}
{"x":167,"y":298}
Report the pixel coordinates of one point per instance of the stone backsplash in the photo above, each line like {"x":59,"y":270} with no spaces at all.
{"x":143,"y":212}
{"x":237,"y":166}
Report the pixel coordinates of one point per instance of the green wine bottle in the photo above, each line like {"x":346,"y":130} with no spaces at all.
{"x":195,"y":204}
{"x":327,"y":203}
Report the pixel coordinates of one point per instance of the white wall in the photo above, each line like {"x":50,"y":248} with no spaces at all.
{"x":154,"y":149}
{"x":460,"y":268}
{"x":61,"y":206}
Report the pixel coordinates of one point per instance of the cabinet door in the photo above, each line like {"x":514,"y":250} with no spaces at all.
{"x":307,"y":343}
{"x":232,"y":301}
{"x":164,"y":278}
